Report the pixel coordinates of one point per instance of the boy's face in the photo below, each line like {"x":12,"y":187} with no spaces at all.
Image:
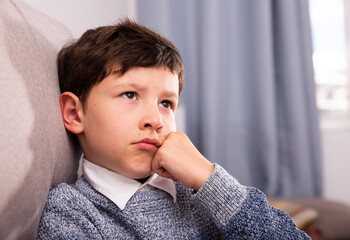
{"x":126,"y":119}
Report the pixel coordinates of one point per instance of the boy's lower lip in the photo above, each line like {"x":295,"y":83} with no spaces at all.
{"x":145,"y":145}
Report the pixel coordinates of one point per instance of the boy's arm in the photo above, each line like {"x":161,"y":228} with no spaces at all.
{"x":242,"y":212}
{"x":237,"y":210}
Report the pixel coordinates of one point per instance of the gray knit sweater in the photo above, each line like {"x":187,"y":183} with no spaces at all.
{"x":222,"y":207}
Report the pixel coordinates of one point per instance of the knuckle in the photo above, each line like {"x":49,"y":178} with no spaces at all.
{"x":171,"y":135}
{"x":162,"y":161}
{"x":160,"y":151}
{"x":181,"y":133}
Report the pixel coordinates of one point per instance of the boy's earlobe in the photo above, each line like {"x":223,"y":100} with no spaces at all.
{"x":72,"y":112}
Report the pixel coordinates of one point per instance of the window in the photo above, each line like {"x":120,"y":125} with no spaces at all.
{"x":330,"y":55}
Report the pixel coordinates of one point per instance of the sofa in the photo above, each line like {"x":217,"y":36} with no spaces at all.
{"x":36,"y":152}
{"x":322,"y":219}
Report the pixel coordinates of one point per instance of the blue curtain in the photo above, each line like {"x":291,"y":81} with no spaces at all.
{"x":249,"y":89}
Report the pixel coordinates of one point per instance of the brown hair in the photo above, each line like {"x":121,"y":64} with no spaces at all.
{"x":86,"y":62}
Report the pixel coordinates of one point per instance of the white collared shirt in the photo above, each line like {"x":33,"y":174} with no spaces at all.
{"x":119,"y":188}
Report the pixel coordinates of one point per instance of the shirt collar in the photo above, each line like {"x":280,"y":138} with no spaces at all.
{"x":119,"y":188}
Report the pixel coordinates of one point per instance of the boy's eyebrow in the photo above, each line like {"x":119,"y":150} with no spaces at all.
{"x":139,"y":87}
{"x":170,"y":94}
{"x":129,"y":84}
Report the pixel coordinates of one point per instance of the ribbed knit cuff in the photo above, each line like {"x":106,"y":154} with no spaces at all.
{"x":221,"y":196}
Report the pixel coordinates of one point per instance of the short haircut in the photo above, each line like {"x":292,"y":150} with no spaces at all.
{"x":99,"y":52}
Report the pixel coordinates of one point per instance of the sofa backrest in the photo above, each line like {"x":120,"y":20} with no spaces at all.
{"x":35,"y":151}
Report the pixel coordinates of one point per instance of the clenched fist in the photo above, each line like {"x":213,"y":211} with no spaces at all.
{"x":177,"y":158}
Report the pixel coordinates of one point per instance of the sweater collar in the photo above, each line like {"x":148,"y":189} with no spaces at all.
{"x":119,"y":188}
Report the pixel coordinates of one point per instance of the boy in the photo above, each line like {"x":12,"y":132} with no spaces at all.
{"x":120,"y":88}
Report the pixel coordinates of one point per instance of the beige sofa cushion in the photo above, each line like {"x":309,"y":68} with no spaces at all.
{"x":36,"y":152}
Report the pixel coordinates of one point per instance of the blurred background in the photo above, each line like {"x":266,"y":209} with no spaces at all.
{"x":267,"y":83}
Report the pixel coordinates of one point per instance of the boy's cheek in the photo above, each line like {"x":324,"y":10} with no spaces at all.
{"x":172,"y":126}
{"x":169,"y":128}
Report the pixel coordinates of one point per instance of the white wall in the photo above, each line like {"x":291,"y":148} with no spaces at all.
{"x":80,"y":15}
{"x":335,"y":140}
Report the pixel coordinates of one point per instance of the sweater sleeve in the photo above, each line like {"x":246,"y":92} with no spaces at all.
{"x":242,"y":212}
{"x":64,"y":218}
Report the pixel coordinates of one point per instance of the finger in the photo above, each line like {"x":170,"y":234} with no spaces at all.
{"x":164,"y":173}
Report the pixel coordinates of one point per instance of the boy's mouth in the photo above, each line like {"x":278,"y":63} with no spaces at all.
{"x":148,"y":144}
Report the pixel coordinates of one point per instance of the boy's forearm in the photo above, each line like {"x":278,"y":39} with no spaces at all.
{"x":241,"y":211}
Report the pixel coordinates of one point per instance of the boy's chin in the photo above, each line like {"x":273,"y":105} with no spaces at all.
{"x":142,"y":175}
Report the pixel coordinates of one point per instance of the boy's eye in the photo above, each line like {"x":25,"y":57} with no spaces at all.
{"x":166,"y":104}
{"x":129,"y":95}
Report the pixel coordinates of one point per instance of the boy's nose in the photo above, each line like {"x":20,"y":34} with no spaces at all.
{"x":151,"y":119}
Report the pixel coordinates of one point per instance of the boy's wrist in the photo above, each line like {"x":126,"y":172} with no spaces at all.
{"x":204,"y":175}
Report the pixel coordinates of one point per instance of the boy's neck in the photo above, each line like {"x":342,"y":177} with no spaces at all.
{"x":142,"y":180}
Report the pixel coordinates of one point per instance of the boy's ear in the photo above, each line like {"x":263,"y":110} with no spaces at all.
{"x":72,"y":112}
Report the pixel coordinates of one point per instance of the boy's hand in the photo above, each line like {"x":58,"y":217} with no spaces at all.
{"x":178,"y":159}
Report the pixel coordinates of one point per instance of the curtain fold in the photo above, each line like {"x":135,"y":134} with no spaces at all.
{"x":249,"y":89}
